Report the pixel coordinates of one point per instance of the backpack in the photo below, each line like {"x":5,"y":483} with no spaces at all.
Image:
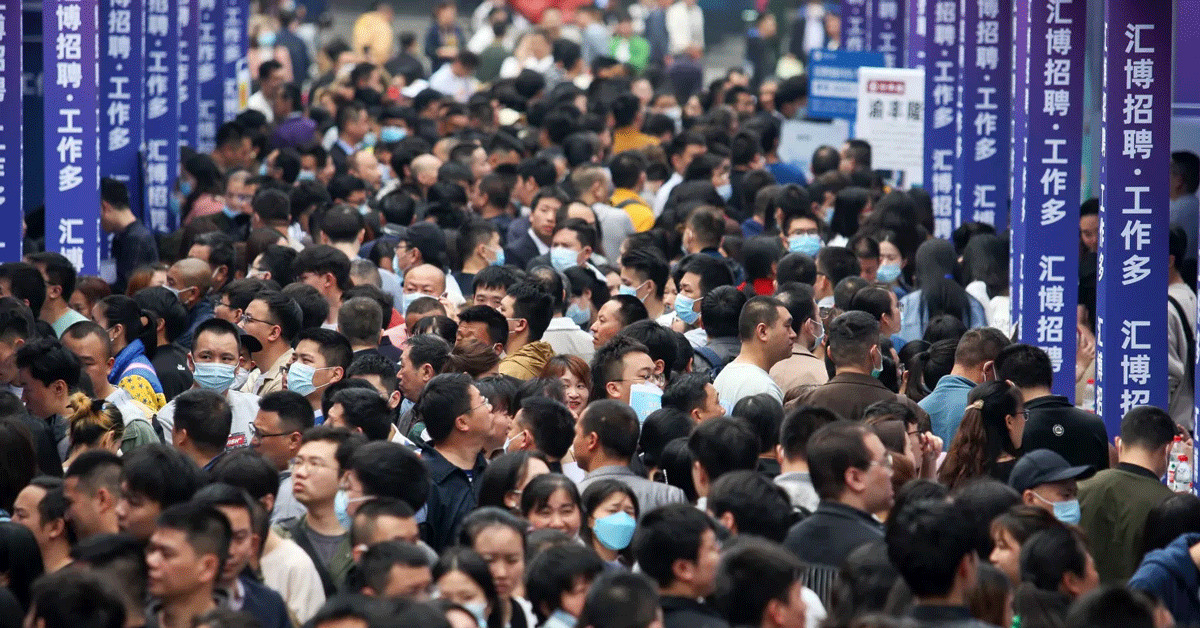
{"x":716,"y":364}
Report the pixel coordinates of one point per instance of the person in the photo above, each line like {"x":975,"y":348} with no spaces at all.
{"x":186,"y":555}
{"x":644,"y":274}
{"x":1168,"y":574}
{"x":620,"y":599}
{"x":77,"y":599}
{"x":89,"y":342}
{"x":42,"y":507}
{"x":933,"y":553}
{"x":798,"y":426}
{"x":423,"y":359}
{"x":576,"y":379}
{"x":395,"y":570}
{"x":611,"y":511}
{"x":1046,"y":480}
{"x":758,"y":584}
{"x":328,"y":270}
{"x":1185,"y":207}
{"x":1056,"y":569}
{"x":133,"y":245}
{"x":936,"y":294}
{"x":456,"y":79}
{"x":746,"y":502}
{"x":59,"y":276}
{"x":20,"y":562}
{"x":274,"y":320}
{"x":765,"y":329}
{"x":563,"y":334}
{"x":627,"y":136}
{"x":119,"y":560}
{"x":551,"y":502}
{"x":617,"y":366}
{"x":48,"y":375}
{"x":544,"y":425}
{"x":606,"y":439}
{"x":628,"y":173}
{"x":802,"y":367}
{"x":1181,"y":326}
{"x":719,"y":446}
{"x":459,"y":422}
{"x":201,"y":431}
{"x":277,"y":433}
{"x":851,"y":472}
{"x":677,"y":546}
{"x":169,"y":359}
{"x":974,"y":363}
{"x":462,"y":577}
{"x":153,"y":479}
{"x":1054,"y":422}
{"x":616,"y":314}
{"x":528,"y":309}
{"x":499,"y":539}
{"x":320,"y":359}
{"x":988,"y":441}
{"x":91,"y":488}
{"x":1010,"y":530}
{"x":557,"y":580}
{"x":372,"y":35}
{"x":361,"y":410}
{"x":387,"y":470}
{"x":191,"y":279}
{"x":1115,"y":503}
{"x":536,"y":240}
{"x":132,"y":334}
{"x":719,"y":312}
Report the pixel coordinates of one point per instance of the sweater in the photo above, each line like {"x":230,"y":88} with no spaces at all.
{"x":1170,"y":575}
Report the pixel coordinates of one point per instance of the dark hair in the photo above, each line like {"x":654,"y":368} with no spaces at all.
{"x":73,"y":598}
{"x":59,"y":271}
{"x":595,"y":494}
{"x":444,"y":398}
{"x":1174,"y":516}
{"x":686,"y":392}
{"x":863,"y":584}
{"x":205,"y":526}
{"x":25,"y":283}
{"x":483,"y":518}
{"x":138,"y":324}
{"x":555,"y":572}
{"x":295,"y":412}
{"x":248,"y":470}
{"x":980,"y":345}
{"x":989,"y":599}
{"x":851,"y":336}
{"x":796,"y":267}
{"x":324,"y":259}
{"x":752,"y":574}
{"x":539,"y":490}
{"x":375,"y":567}
{"x":279,"y":260}
{"x":48,"y":361}
{"x":607,"y":363}
{"x":1114,"y":606}
{"x":1186,"y":164}
{"x":982,"y":436}
{"x":659,"y":340}
{"x":1051,"y":553}
{"x":798,"y":427}
{"x":759,"y":506}
{"x":720,"y":309}
{"x":118,"y":555}
{"x":944,"y":327}
{"x":667,"y":534}
{"x":463,"y":559}
{"x":631,"y":309}
{"x":374,"y":612}
{"x":551,"y":423}
{"x":363,"y":525}
{"x":764,"y":414}
{"x":333,"y":346}
{"x":649,"y":263}
{"x":503,"y":475}
{"x":1146,"y":427}
{"x":206,"y":417}
{"x":365,"y":410}
{"x":759,"y":310}
{"x":360,"y":319}
{"x":926,"y":543}
{"x":837,"y":263}
{"x":723,"y":445}
{"x":615,"y":425}
{"x":676,"y":463}
{"x":20,"y":560}
{"x":619,"y":599}
{"x":162,"y":474}
{"x":711,"y":271}
{"x":661,"y":427}
{"x":532,"y":303}
{"x":928,"y":367}
{"x":980,"y":501}
{"x":833,"y":449}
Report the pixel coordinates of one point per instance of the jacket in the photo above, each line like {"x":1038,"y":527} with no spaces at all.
{"x":264,"y":604}
{"x":528,"y":362}
{"x":452,"y":496}
{"x":639,"y":211}
{"x":1170,"y":575}
{"x":827,"y":536}
{"x":650,"y":494}
{"x":333,"y":574}
{"x":849,"y":394}
{"x":801,"y":369}
{"x":520,"y":249}
{"x":565,"y":336}
{"x":915,"y":317}
{"x":133,"y":372}
{"x":946,"y":404}
{"x":682,"y":612}
{"x":1077,"y":435}
{"x":1113,"y":508}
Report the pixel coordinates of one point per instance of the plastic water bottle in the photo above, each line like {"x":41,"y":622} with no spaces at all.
{"x":1173,"y":460}
{"x":1089,"y":397}
{"x":1183,"y":475}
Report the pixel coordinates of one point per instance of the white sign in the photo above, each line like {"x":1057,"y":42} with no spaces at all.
{"x":798,"y":139}
{"x":891,"y":114}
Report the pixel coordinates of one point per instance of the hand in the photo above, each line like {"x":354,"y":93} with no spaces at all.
{"x":451,"y":309}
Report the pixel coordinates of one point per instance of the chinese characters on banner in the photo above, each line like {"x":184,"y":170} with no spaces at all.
{"x":189,"y":34}
{"x":985,"y":78}
{"x":162,"y":114}
{"x":122,"y":85}
{"x":914,"y":42}
{"x":11,"y":211}
{"x":887,"y":31}
{"x":234,"y":90}
{"x":891,"y":104}
{"x":941,"y":100}
{"x":1131,"y":337}
{"x":856,"y":19}
{"x":72,"y":172}
{"x":1046,"y":178}
{"x":209,"y":106}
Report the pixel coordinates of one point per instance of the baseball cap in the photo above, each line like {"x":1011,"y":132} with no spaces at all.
{"x":1042,"y":466}
{"x":249,"y":342}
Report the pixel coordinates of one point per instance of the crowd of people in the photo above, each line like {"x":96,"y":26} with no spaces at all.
{"x":563,"y":345}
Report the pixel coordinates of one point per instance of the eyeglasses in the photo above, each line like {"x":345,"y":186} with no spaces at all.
{"x":485,"y":403}
{"x":1025,"y":413}
{"x":296,"y":464}
{"x":246,"y":318}
{"x":654,"y":378}
{"x":885,"y":463}
{"x":254,"y":433}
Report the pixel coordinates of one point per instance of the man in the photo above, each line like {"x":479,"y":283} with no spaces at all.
{"x":75,"y":599}
{"x":170,"y":360}
{"x":328,"y":270}
{"x":154,"y":478}
{"x":23,"y":282}
{"x":480,"y":244}
{"x":215,"y":249}
{"x":214,"y":363}
{"x":459,"y":422}
{"x":680,"y":152}
{"x":246,"y":594}
{"x":677,"y":546}
{"x":425,"y":243}
{"x":372,"y":35}
{"x":934,"y":553}
{"x":316,"y":476}
{"x":536,"y":240}
{"x":91,"y":488}
{"x":834,"y":263}
{"x":320,"y":359}
{"x":798,"y":427}
{"x":1046,"y":480}
{"x":1053,"y":422}
{"x":42,"y":507}
{"x":685,"y":27}
{"x":133,"y":244}
{"x":48,"y":374}
{"x":629,"y":175}
{"x":59,"y":275}
{"x":974,"y":363}
{"x":758,"y":584}
{"x":703,"y":230}
{"x":627,"y":122}
{"x":644,"y":274}
{"x":853,"y":347}
{"x":852,"y":472}
{"x":802,"y":368}
{"x":719,"y":312}
{"x":528,"y":309}
{"x":573,"y":244}
{"x":562,"y":333}
{"x":485,"y":324}
{"x":694,"y":395}
{"x":277,"y":433}
{"x":361,"y":410}
{"x":294,"y":129}
{"x":231,"y":299}
{"x":233,"y":149}
{"x":385,"y":470}
{"x":856,"y":154}
{"x":360,"y":320}
{"x":616,"y":314}
{"x":382,"y":519}
{"x":201,"y":428}
{"x":120,"y":560}
{"x":765,"y":329}
{"x":457,"y":78}
{"x":190,"y":279}
{"x":617,"y":366}
{"x":1089,"y":225}
{"x":606,"y":439}
{"x":1114,"y":504}
{"x":543,"y":425}
{"x":395,"y":570}
{"x":1181,"y":334}
{"x":422,"y":360}
{"x":594,"y":187}
{"x":1185,"y":207}
{"x":274,"y":320}
{"x":353,"y":126}
{"x":423,"y":280}
{"x":186,"y":556}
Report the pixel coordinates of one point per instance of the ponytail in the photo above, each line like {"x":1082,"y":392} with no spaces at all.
{"x":139,"y":324}
{"x":148,"y":333}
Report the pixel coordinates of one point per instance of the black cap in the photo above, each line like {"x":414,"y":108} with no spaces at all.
{"x":249,"y":342}
{"x":1043,"y":466}
{"x":430,"y":240}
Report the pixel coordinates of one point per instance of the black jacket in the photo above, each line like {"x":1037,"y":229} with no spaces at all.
{"x":451,"y":497}
{"x":682,"y":612}
{"x":827,"y":536}
{"x":1074,"y":434}
{"x":520,"y":251}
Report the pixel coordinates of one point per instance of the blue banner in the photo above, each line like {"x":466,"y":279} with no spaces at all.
{"x":122,"y":86}
{"x":1046,"y":175}
{"x":1131,"y":334}
{"x":208,"y":79}
{"x":162,"y":114}
{"x":11,"y":205}
{"x":33,"y":161}
{"x":233,"y":57}
{"x":72,"y":175}
{"x":914,"y":39}
{"x":1020,"y":126}
{"x":887,"y":31}
{"x":856,"y":25}
{"x":986,"y":80}
{"x":941,"y":107}
{"x":189,"y":35}
{"x":833,"y":82}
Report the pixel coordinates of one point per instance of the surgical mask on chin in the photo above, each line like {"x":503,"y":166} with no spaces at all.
{"x":684,"y":311}
{"x":389,"y":134}
{"x":579,"y":315}
{"x":806,"y":243}
{"x":887,"y":273}
{"x":185,"y":188}
{"x":214,"y":376}
{"x":615,"y":531}
{"x":820,"y":334}
{"x":262,"y":169}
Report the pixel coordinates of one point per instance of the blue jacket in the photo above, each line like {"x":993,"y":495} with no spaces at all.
{"x":1170,"y":575}
{"x":915,"y":318}
{"x":946,"y":404}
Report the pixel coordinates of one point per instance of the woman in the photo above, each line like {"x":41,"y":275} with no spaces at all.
{"x":893,"y":265}
{"x":937,"y":274}
{"x":506,"y":476}
{"x":94,"y":424}
{"x":88,"y":290}
{"x":20,"y":560}
{"x":882,"y":304}
{"x":985,"y":269}
{"x":991,"y":599}
{"x":1010,"y":530}
{"x":1056,"y":569}
{"x":612,"y":513}
{"x":469,"y":356}
{"x":552,"y":501}
{"x":988,"y":440}
{"x":142,"y":277}
{"x":462,"y":577}
{"x":576,"y":378}
{"x":851,"y":207}
{"x":201,"y":185}
{"x":499,"y":538}
{"x":133,"y":333}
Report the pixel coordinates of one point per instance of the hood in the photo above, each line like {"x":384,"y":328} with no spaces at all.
{"x":539,"y":350}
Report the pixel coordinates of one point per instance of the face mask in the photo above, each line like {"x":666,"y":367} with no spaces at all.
{"x":340,"y":503}
{"x":300,"y":378}
{"x":1066,"y":512}
{"x":726,"y":191}
{"x":229,"y":213}
{"x":887,"y":273}
{"x":364,"y":209}
{"x":806,"y":243}
{"x":499,"y":261}
{"x":185,"y":188}
{"x":262,"y":169}
{"x":479,"y":610}
{"x":629,"y":291}
{"x":674,"y":113}
{"x":214,"y":376}
{"x":683,"y":309}
{"x":240,"y":378}
{"x":508,"y":443}
{"x":306,"y":175}
{"x":615,"y":531}
{"x":829,"y":215}
{"x":266,"y":39}
{"x":396,"y":267}
{"x":562,"y":258}
{"x":878,"y":369}
{"x":578,"y":314}
{"x":369,"y":139}
{"x":392,"y":134}
{"x":385,"y":174}
{"x":409,"y":297}
{"x":820,"y":334}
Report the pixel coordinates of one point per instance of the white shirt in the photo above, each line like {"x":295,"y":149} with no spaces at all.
{"x":685,"y":26}
{"x":542,"y":247}
{"x":259,"y":103}
{"x":244,"y":406}
{"x":289,"y":570}
{"x":512,"y":67}
{"x":447,"y":82}
{"x":739,"y":380}
{"x":664,"y":191}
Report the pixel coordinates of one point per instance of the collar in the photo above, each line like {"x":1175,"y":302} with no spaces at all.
{"x":934,"y":613}
{"x":1049,"y":401}
{"x":1137,"y":470}
{"x":859,"y":379}
{"x":541,"y":246}
{"x":440,"y":469}
{"x":954,"y":381}
{"x":345,"y":146}
{"x":842,"y":510}
{"x":562,"y":323}
{"x":801,"y":350}
{"x":610,"y":471}
{"x":674,"y":603}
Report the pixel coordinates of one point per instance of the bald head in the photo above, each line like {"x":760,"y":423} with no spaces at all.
{"x":191,"y":278}
{"x":426,"y":279}
{"x":365,"y":166}
{"x":425,"y":169}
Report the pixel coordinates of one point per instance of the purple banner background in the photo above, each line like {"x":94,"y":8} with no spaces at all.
{"x":72,"y":179}
{"x":887,"y":30}
{"x":162,"y":114}
{"x":915,"y":34}
{"x":11,"y":211}
{"x":189,"y":35}
{"x":856,"y":25}
{"x":1131,"y":336}
{"x":233,"y":54}
{"x":941,"y":111}
{"x":208,"y":78}
{"x":1020,"y":129}
{"x":986,"y":80}
{"x":1051,"y":108}
{"x":122,"y":85}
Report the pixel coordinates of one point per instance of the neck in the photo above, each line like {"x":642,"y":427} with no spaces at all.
{"x":1035,"y":392}
{"x":333,"y":311}
{"x":122,"y":220}
{"x":270,"y":354}
{"x":459,"y":452}
{"x":55,"y":557}
{"x":323,"y":519}
{"x":599,"y":460}
{"x":605,"y":554}
{"x":363,"y":346}
{"x":654,"y":306}
{"x":853,"y":368}
{"x":104,"y":389}
{"x":516,"y":342}
{"x":179,"y":612}
{"x":1141,"y":458}
{"x":490,"y":211}
{"x":349,"y":248}
{"x":197,"y":456}
{"x":52,"y":310}
{"x":349,"y":140}
{"x":474,"y":264}
{"x":954,"y":598}
{"x":679,"y":589}
{"x":272,"y":542}
{"x":852,"y":500}
{"x":1172,"y":278}
{"x":162,"y":338}
{"x":970,"y":373}
{"x":752,"y":353}
{"x":792,"y":466}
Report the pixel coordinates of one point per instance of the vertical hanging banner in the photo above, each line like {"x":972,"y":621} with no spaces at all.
{"x":1016,"y":186}
{"x":162,"y":114}
{"x":941,"y":106}
{"x":122,"y":86}
{"x":986,"y":80}
{"x":1046,"y":173}
{"x":1131,"y":337}
{"x":856,"y":25}
{"x":234,"y":41}
{"x":915,"y":33}
{"x":887,"y":31}
{"x":72,"y":174}
{"x":11,"y":209}
{"x":208,"y":80}
{"x":33,"y":158}
{"x":189,"y":35}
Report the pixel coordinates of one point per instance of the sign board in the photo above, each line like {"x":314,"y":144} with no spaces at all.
{"x":833,"y":82}
{"x":891,"y":116}
{"x":11,"y":211}
{"x":799,"y":138}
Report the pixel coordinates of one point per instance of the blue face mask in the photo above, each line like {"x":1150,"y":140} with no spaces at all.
{"x":562,"y":258}
{"x":185,"y":187}
{"x":266,"y":39}
{"x":806,"y":243}
{"x":306,"y":175}
{"x":499,"y":261}
{"x":369,"y":139}
{"x":887,"y":273}
{"x":229,"y":213}
{"x":578,"y":314}
{"x":389,"y":134}
{"x":1066,"y":512}
{"x":214,"y":376}
{"x":829,"y":215}
{"x":628,"y":291}
{"x":615,"y":531}
{"x":409,"y":297}
{"x":683,"y":309}
{"x":300,"y":378}
{"x":479,"y":610}
{"x":396,"y":267}
{"x":726,"y":191}
{"x":262,"y":169}
{"x":340,"y":503}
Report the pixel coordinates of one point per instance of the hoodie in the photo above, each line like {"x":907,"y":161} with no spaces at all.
{"x":528,"y":361}
{"x":1172,"y":576}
